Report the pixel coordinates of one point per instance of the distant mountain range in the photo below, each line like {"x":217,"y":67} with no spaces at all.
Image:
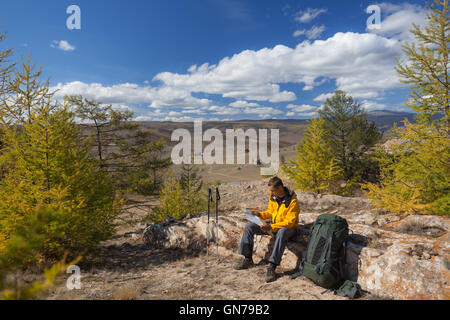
{"x":291,"y":130}
{"x":388,"y":113}
{"x":385,"y":119}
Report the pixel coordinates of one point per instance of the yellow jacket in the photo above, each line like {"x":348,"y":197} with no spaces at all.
{"x":285,"y":215}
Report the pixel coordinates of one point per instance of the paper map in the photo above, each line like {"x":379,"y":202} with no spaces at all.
{"x":252,"y":218}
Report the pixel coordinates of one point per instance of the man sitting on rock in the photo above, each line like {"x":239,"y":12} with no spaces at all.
{"x":283,"y":209}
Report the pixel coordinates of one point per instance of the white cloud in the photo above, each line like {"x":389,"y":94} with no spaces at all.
{"x":175,"y":118}
{"x":241,"y":103}
{"x":160,"y":115}
{"x":358,"y":62}
{"x":302,"y":108}
{"x":223,"y":110}
{"x":312,"y":33}
{"x":299,"y":33}
{"x":129,"y":93}
{"x":121,"y":107}
{"x":397,"y":20}
{"x":62,"y":45}
{"x":371,"y":105}
{"x":308,"y":15}
{"x":193,"y":111}
{"x":262,"y":111}
{"x":362,"y":64}
{"x":323,"y":97}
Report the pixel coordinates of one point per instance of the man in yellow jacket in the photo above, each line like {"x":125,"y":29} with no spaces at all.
{"x":283,"y":210}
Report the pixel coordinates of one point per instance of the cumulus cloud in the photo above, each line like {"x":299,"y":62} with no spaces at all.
{"x":362,"y":64}
{"x":323,"y":97}
{"x":62,"y":45}
{"x":308,"y":15}
{"x":241,"y":103}
{"x":371,"y":105}
{"x":149,"y":117}
{"x":304,"y":110}
{"x":130,"y":93}
{"x":223,"y":110}
{"x":162,"y":115}
{"x":121,"y":107}
{"x":301,"y":108}
{"x":263,"y":111}
{"x":358,"y":62}
{"x":312,"y":33}
{"x":397,"y":19}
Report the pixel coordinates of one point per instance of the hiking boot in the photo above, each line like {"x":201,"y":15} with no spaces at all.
{"x":244,"y":264}
{"x":263,"y":262}
{"x":271,"y":275}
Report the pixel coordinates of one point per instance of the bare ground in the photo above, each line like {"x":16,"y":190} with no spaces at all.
{"x":124,"y":268}
{"x":186,"y":275}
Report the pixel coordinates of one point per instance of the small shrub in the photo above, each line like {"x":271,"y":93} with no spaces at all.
{"x":178,"y":199}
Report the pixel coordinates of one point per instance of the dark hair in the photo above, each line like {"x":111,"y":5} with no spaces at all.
{"x":276,"y":182}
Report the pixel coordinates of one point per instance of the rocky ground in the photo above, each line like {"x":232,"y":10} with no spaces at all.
{"x":389,"y":256}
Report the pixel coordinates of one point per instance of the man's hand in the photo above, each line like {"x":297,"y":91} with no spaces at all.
{"x":266,"y":228}
{"x":255,"y":212}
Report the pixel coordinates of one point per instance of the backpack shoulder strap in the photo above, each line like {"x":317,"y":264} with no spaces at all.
{"x":298,"y":268}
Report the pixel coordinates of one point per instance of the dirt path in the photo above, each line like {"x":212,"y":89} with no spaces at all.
{"x":172,"y":274}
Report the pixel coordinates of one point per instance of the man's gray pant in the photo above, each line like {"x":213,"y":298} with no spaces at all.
{"x":281,"y":238}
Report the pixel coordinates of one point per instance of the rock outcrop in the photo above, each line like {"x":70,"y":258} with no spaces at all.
{"x":388,"y":256}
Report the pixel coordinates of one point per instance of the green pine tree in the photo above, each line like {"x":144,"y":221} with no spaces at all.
{"x":171,"y":199}
{"x":23,"y":237}
{"x":193,"y":188}
{"x":426,"y":68}
{"x":415,"y":175}
{"x":183,"y":195}
{"x":349,"y":135}
{"x":314,"y":169}
{"x":50,"y":172}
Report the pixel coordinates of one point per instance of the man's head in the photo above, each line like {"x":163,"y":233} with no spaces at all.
{"x":276,"y":187}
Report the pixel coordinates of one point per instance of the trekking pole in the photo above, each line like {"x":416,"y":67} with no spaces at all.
{"x":217,"y":222}
{"x":207,"y":229}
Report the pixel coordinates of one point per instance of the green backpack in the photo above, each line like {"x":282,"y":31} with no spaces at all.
{"x":349,"y":289}
{"x":325,"y":256}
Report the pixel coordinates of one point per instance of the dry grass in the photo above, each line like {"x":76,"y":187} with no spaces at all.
{"x":231,"y":244}
{"x":127,"y":292}
{"x":178,"y":293}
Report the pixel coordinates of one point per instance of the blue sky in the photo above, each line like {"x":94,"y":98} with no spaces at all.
{"x":182,"y":60}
